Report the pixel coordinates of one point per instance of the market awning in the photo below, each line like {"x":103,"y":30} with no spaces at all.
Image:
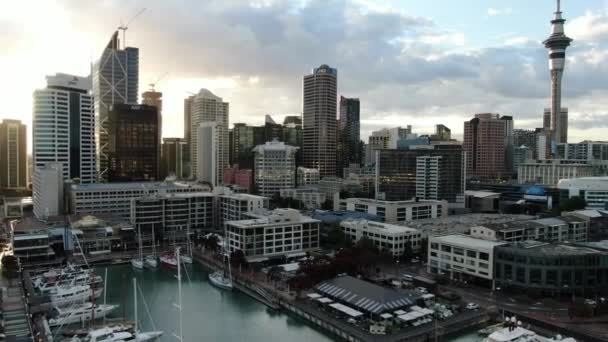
{"x":345,"y":309}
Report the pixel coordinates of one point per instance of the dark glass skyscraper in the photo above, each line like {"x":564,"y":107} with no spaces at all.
{"x":115,"y":80}
{"x":319,"y":116}
{"x":134,"y":150}
{"x":349,"y":128}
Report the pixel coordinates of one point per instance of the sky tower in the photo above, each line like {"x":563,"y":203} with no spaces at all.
{"x":557,"y":44}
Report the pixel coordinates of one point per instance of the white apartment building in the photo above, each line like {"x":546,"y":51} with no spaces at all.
{"x":207,"y":168}
{"x":550,"y":172}
{"x":428,"y":177}
{"x":173,"y":214}
{"x":115,"y":198}
{"x":48,"y":190}
{"x":384,"y":235}
{"x":233,"y":206}
{"x":397,"y":211}
{"x":593,"y":189}
{"x":460,"y":256}
{"x":64,"y":127}
{"x":311,"y":197}
{"x":307,"y":176}
{"x":275,"y":165}
{"x":206,"y":107}
{"x":553,"y":229}
{"x":270,"y":234}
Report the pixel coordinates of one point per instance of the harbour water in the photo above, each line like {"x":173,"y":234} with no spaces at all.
{"x":209,"y":314}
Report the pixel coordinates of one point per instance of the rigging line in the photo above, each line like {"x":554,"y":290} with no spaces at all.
{"x":146,"y":306}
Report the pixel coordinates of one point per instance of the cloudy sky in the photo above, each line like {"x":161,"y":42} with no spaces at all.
{"x":418,"y":62}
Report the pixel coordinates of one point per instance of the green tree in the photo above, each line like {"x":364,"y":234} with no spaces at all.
{"x":424,"y":248}
{"x":573,"y":203}
{"x":408,"y":251}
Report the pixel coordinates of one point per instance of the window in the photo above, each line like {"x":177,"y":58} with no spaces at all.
{"x":434,"y":245}
{"x":471,"y":254}
{"x":445,"y":248}
{"x":484,"y":256}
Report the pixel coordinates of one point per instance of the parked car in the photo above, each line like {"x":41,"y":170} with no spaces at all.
{"x":472,"y":306}
{"x":422,"y":290}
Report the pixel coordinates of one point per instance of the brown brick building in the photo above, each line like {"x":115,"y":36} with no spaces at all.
{"x":487,"y":140}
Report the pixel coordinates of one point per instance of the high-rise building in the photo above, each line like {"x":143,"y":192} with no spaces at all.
{"x":134,"y":152}
{"x":383,"y":139}
{"x":524,"y":137}
{"x":47,"y":194}
{"x":306,"y":176}
{"x":172,"y":158}
{"x":207,"y":168}
{"x":115,"y":81}
{"x":319,"y":116}
{"x":486,"y":144}
{"x":275,"y":167}
{"x":64,"y":127}
{"x":292,"y":131}
{"x":428,"y":172}
{"x":349,"y":127}
{"x":13,"y":154}
{"x":442,"y":133}
{"x":244,"y":139}
{"x":557,"y":44}
{"x":206,"y":107}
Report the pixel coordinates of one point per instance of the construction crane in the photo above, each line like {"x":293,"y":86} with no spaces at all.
{"x":157,"y":81}
{"x":125,"y":27}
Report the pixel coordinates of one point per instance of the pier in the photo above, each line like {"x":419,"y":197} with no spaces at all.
{"x":17,"y":323}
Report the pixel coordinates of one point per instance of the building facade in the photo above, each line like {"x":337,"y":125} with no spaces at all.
{"x":233,"y":207}
{"x":306,"y":176}
{"x":385,"y":236}
{"x":319,"y":140}
{"x":550,"y":171}
{"x":239,"y":177}
{"x":426,"y":171}
{"x":115,"y":81}
{"x":349,"y":128}
{"x":462,"y":257}
{"x":594,"y":190}
{"x":275,"y":167}
{"x":486,"y":141}
{"x":397,"y":211}
{"x":553,"y":269}
{"x":207,"y":168}
{"x":134,"y":151}
{"x":310,"y":196}
{"x":47,"y":194}
{"x":13,"y":153}
{"x":64,"y":127}
{"x":172,"y":158}
{"x":274,"y":234}
{"x":553,"y":229}
{"x":207,"y":108}
{"x":585,"y":150}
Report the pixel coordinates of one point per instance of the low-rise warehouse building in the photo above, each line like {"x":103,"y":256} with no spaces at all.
{"x":385,"y":236}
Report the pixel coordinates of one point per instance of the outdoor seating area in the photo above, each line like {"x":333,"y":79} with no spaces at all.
{"x":417,"y":316}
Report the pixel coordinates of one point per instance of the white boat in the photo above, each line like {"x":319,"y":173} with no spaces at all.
{"x":67,"y":273}
{"x":186,"y":259}
{"x":75,"y":294}
{"x":168,"y":259}
{"x":79,"y":313}
{"x":112,"y":334}
{"x":151,"y":261}
{"x":513,"y":332}
{"x":218,"y":279}
{"x":138,"y":262}
{"x":78,"y":280}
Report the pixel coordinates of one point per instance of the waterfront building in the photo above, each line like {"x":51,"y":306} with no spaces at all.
{"x":349,"y":128}
{"x":115,"y":81}
{"x":553,"y":269}
{"x":427,"y":171}
{"x":273,"y":234}
{"x":594,"y":190}
{"x":550,"y":171}
{"x":585,"y":150}
{"x":385,"y":236}
{"x":397,"y":211}
{"x":306,"y":176}
{"x":310,"y":196}
{"x":554,"y":229}
{"x":207,"y":108}
{"x":13,"y":153}
{"x":241,"y":178}
{"x":173,"y":215}
{"x":47,"y":191}
{"x":64,"y":127}
{"x":462,"y":257}
{"x":275,"y":167}
{"x":173,"y":156}
{"x":366,"y":297}
{"x":30,"y":240}
{"x":234,"y":206}
{"x":319,"y":139}
{"x":134,"y":151}
{"x":596,"y":220}
{"x":487,"y":138}
{"x":115,"y":198}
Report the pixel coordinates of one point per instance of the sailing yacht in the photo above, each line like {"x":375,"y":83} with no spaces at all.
{"x":223,"y":278}
{"x":187,"y":259}
{"x":79,"y":313}
{"x":168,"y":259}
{"x":117,"y":334}
{"x":138,"y":262}
{"x":151,"y":261}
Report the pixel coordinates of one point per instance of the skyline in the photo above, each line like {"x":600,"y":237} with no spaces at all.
{"x":450,"y":72}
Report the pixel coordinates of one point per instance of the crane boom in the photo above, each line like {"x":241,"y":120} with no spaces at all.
{"x":125,"y":27}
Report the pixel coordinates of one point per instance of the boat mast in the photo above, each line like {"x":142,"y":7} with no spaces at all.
{"x":135,"y":301}
{"x":179,"y":294}
{"x":105,"y":293}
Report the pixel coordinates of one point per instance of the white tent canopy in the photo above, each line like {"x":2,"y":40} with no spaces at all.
{"x":345,"y":309}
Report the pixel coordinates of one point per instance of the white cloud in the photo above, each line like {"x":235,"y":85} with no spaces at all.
{"x":496,"y":11}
